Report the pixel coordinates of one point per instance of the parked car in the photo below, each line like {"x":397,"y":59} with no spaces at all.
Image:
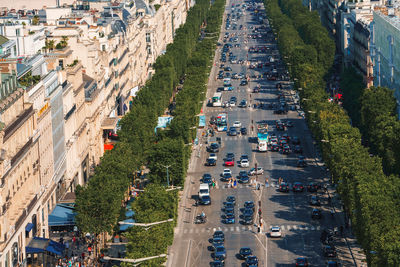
{"x":244,"y":163}
{"x":298,"y":187}
{"x":284,"y":187}
{"x":245,"y":252}
{"x":213,"y":147}
{"x":211,"y":162}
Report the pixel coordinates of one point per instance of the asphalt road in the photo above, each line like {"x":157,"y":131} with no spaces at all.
{"x":290,"y":211}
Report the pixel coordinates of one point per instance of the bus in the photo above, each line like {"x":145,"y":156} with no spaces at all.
{"x":216,"y":100}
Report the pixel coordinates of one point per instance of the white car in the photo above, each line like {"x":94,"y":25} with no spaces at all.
{"x":227,"y":171}
{"x":244,"y":163}
{"x":258,"y":172}
{"x":237,"y":124}
{"x":212,"y":156}
{"x":275,"y":231}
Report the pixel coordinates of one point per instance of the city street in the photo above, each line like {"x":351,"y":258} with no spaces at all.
{"x":290,"y":211}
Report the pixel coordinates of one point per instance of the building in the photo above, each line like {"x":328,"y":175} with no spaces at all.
{"x":361,"y":51}
{"x":385,"y":58}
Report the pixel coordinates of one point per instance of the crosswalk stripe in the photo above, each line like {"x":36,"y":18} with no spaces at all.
{"x":232,"y":229}
{"x":214,"y":229}
{"x":318,"y":228}
{"x":203,"y":230}
{"x":243,"y":228}
{"x":185,"y":231}
{"x":191,"y":231}
{"x":312,"y":228}
{"x":219,"y":228}
{"x":237,"y":229}
{"x":197,"y":230}
{"x":295,"y":227}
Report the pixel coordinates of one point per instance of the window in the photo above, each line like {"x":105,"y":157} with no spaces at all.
{"x":103,"y":48}
{"x":148,"y":37}
{"x":61,"y":63}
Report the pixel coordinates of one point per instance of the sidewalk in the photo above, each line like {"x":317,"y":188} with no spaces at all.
{"x":349,"y":251}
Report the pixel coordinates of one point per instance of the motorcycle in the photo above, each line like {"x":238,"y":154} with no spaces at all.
{"x":200,"y":219}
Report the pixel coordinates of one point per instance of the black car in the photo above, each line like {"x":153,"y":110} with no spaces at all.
{"x":243,"y":130}
{"x":245,"y":252}
{"x":244,"y":179}
{"x":249,"y":205}
{"x":217,"y":263}
{"x":213,"y":148}
{"x":232,"y":131}
{"x":243,"y":82}
{"x":248,"y":212}
{"x":243,"y":104}
{"x":332,"y":264}
{"x":226,"y":177}
{"x":298,"y":149}
{"x":251,"y":261}
{"x":219,"y":234}
{"x":230,"y":155}
{"x":316,"y":214}
{"x":211,"y":162}
{"x":284,"y":187}
{"x":295,"y":140}
{"x":298,"y":187}
{"x":205,"y":200}
{"x":329,"y":251}
{"x":231,"y":199}
{"x":313,"y":187}
{"x":227,"y":69}
{"x":247,"y":220}
{"x":207,"y":180}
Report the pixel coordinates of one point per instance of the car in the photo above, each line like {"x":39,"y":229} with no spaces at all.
{"x":245,"y":252}
{"x":243,"y":104}
{"x":226,"y":177}
{"x":231,"y":199}
{"x":301,"y":162}
{"x":275,"y":231}
{"x":237,"y":124}
{"x":251,"y":261}
{"x":286,"y":149}
{"x":228,"y":69}
{"x":289,"y":124}
{"x":229,"y":162}
{"x":229,"y":219}
{"x":314,"y":200}
{"x":211,"y":162}
{"x":243,"y":130}
{"x":316,"y":214}
{"x":244,"y":179}
{"x":212,"y":156}
{"x":219,"y":234}
{"x":213,"y":147}
{"x":227,"y":171}
{"x":249,"y":205}
{"x":244,"y":163}
{"x":298,"y":149}
{"x":228,"y":204}
{"x":259,"y":171}
{"x":247,"y":212}
{"x":207,"y":175}
{"x":244,"y":156}
{"x":247,"y":220}
{"x":295,"y":140}
{"x":217,"y":263}
{"x":220,"y":77}
{"x":302,"y":261}
{"x":243,"y":82}
{"x":284,"y":187}
{"x":205,"y":200}
{"x":332,"y":264}
{"x":274,"y":147}
{"x":217,"y":241}
{"x":220,"y":252}
{"x":297,"y":187}
{"x":313,"y":187}
{"x":232,"y":131}
{"x":329,"y":251}
{"x":207,"y":180}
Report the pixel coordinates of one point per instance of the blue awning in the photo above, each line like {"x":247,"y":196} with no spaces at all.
{"x":62,"y":215}
{"x":43,"y":245}
{"x":29,"y":227}
{"x":202,"y":121}
{"x":124,"y":227}
{"x":129,"y":213}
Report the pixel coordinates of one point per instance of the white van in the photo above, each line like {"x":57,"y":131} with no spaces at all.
{"x":204,"y":190}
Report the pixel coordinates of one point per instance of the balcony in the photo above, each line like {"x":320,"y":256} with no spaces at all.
{"x":20,"y":120}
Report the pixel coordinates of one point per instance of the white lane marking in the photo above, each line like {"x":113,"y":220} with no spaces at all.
{"x":295,"y":227}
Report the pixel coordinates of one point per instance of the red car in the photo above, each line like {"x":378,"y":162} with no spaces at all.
{"x":229,"y":162}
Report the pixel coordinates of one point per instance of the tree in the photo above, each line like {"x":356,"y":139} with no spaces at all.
{"x":35,"y":20}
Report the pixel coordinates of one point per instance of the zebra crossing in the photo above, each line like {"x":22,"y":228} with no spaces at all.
{"x":247,"y":228}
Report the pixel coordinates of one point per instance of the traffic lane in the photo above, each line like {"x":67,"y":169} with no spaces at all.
{"x":295,"y":243}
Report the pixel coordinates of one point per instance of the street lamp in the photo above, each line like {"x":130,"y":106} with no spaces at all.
{"x":166,"y":166}
{"x":311,"y":111}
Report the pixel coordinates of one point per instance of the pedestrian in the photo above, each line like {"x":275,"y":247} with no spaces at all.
{"x":213,"y":184}
{"x":266,"y":182}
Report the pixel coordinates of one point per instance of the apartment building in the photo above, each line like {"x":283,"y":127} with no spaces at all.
{"x":384,"y":40}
